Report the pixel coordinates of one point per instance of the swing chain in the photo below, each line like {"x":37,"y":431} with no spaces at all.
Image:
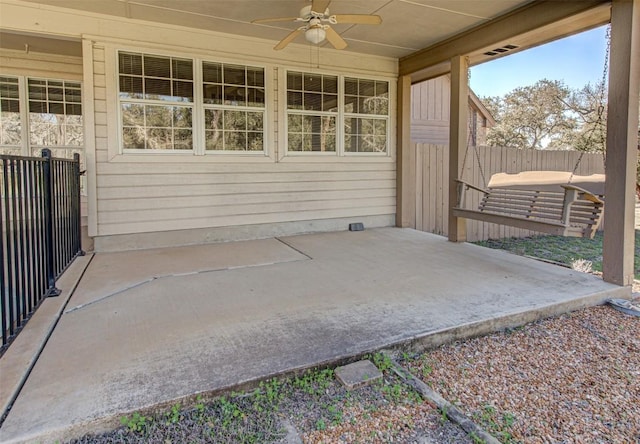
{"x":470,"y":137}
{"x":601,"y":107}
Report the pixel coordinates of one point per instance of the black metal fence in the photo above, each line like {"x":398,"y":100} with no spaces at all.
{"x":41,"y":232}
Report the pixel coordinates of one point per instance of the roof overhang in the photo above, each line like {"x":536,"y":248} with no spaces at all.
{"x":531,"y":25}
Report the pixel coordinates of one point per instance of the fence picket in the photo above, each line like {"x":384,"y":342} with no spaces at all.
{"x":40,"y":219}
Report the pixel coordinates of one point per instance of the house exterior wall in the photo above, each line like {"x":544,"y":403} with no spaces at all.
{"x":145,"y":199}
{"x":430,"y":102}
{"x":40,"y":65}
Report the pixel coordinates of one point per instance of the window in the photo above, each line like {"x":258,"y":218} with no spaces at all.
{"x":55,"y":113}
{"x":10,"y":123}
{"x":312,"y":112}
{"x":366,"y":121}
{"x":158,"y":105}
{"x":156,"y":102}
{"x":234,"y":107}
{"x":37,"y":113}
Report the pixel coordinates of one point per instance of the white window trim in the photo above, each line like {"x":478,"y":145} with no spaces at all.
{"x":26,"y":147}
{"x":263,"y":109}
{"x":198,"y":108}
{"x":340,"y":151}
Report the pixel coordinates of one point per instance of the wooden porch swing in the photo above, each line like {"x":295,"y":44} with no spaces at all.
{"x":545,"y":201}
{"x":554,"y":202}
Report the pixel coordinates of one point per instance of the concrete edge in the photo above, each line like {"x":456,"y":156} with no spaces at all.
{"x":418,"y":343}
{"x":449,"y":410}
{"x":430,"y":340}
{"x":198,"y":236}
{"x":21,"y":356}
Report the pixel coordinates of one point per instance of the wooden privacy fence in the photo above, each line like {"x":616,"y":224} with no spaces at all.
{"x":432,"y":184}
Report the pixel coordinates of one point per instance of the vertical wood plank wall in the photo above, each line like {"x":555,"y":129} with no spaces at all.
{"x":432,"y":182}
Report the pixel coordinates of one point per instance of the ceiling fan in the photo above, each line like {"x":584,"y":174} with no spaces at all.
{"x":317,"y":24}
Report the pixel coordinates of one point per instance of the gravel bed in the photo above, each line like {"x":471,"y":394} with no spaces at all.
{"x":313,"y":408}
{"x":570,"y":379}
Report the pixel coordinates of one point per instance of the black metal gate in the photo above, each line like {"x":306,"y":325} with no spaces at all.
{"x":41,"y":232}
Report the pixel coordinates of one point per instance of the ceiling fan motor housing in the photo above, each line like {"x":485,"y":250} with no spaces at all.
{"x":306,"y":13}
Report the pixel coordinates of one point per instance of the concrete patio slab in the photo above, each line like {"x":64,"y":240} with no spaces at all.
{"x":116,"y":272}
{"x":167,"y":339}
{"x":20,"y":357}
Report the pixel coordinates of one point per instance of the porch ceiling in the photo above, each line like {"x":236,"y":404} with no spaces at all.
{"x":407,"y":25}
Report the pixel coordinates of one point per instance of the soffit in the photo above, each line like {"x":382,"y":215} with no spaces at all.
{"x":408,"y":25}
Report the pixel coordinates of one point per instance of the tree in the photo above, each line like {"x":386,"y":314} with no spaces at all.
{"x":588,"y":106}
{"x":532,"y":117}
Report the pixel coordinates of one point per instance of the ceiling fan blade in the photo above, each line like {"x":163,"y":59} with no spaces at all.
{"x":277,"y":19}
{"x":320,"y":6}
{"x":359,"y":19}
{"x":335,"y":39}
{"x":288,"y":39}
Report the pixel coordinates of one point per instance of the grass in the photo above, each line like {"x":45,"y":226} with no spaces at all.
{"x":564,"y":250}
{"x":313,"y":401}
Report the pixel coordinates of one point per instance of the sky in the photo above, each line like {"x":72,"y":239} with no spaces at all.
{"x":575,"y":60}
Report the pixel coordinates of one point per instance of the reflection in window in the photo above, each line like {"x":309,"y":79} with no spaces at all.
{"x":312,"y":111}
{"x":366,"y":107}
{"x":156,"y":96}
{"x":234,"y":102}
{"x":10,"y":124}
{"x":55,"y":113}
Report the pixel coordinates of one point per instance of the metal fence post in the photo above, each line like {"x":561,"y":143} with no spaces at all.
{"x":77,"y":203}
{"x":48,"y":222}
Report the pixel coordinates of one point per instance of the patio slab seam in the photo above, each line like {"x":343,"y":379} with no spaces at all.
{"x":167,"y":276}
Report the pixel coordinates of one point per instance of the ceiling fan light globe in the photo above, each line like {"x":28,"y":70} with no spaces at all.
{"x":315,"y":35}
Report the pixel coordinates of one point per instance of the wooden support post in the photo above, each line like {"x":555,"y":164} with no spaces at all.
{"x":458,"y":130}
{"x":622,"y":140}
{"x":406,"y":165}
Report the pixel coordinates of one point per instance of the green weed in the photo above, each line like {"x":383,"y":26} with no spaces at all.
{"x":173,"y":415}
{"x":314,"y":382}
{"x":321,"y":424}
{"x":382,"y":361}
{"x":137,"y":423}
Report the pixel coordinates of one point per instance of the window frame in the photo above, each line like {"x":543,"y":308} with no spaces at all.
{"x":315,"y":113}
{"x":227,"y":107}
{"x":25,"y":147}
{"x":198,"y":107}
{"x":385,"y":117}
{"x":152,"y":102}
{"x":340,"y":151}
{"x":28,"y":111}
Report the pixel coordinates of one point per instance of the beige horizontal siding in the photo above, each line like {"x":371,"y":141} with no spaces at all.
{"x":242,"y":219}
{"x":156,"y":192}
{"x":188,"y":179}
{"x":40,"y":65}
{"x":235,"y":198}
{"x":232,"y":209}
{"x":200,"y":199}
